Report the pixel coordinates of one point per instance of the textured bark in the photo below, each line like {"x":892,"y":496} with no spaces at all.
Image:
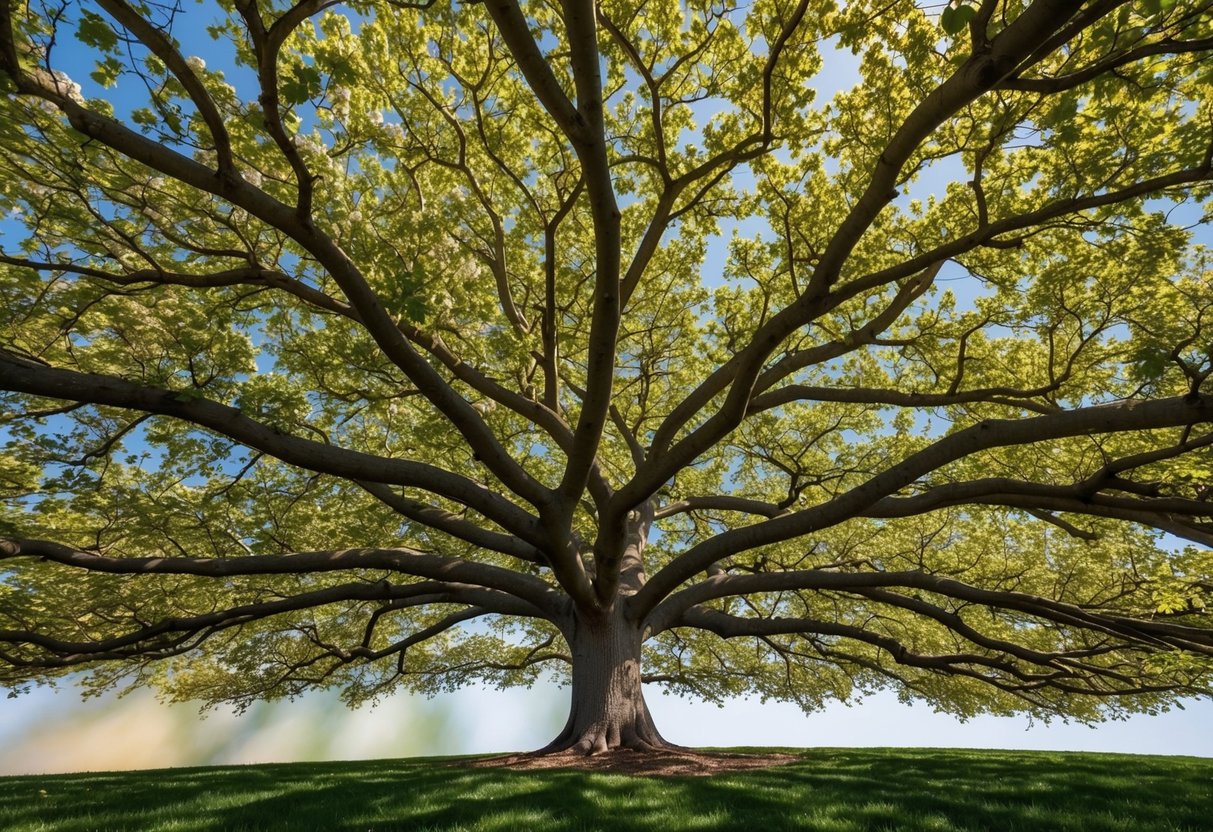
{"x":607,"y":710}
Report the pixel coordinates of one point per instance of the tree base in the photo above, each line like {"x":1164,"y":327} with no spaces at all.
{"x":640,"y":735}
{"x":673,"y":761}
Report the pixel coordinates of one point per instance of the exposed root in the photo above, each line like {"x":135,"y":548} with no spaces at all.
{"x":637,"y":735}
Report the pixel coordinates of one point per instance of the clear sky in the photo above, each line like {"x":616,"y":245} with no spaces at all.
{"x":55,"y":731}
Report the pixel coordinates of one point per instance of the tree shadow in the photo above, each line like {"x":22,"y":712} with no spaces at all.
{"x":828,"y":789}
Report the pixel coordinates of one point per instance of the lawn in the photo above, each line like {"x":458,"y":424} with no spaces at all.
{"x":839,"y":790}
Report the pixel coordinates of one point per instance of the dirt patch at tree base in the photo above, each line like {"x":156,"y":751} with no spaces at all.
{"x":679,"y":762}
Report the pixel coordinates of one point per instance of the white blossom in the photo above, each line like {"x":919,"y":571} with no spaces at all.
{"x":309,"y":145}
{"x":355,"y":215}
{"x":375,"y":116}
{"x":64,"y":85}
{"x":195,"y":63}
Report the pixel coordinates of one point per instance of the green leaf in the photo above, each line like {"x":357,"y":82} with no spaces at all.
{"x":1150,"y":361}
{"x":342,"y":72}
{"x":95,"y":31}
{"x":955,"y":18}
{"x":144,"y":117}
{"x":107,"y":71}
{"x":302,"y":84}
{"x":405,"y":297}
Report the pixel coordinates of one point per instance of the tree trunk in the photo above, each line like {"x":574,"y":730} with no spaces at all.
{"x":608,"y":709}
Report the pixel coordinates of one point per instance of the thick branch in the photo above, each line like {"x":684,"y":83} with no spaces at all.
{"x":539,"y":414}
{"x":1131,"y":630}
{"x":591,"y":148}
{"x":296,"y":224}
{"x":1069,"y":81}
{"x":29,"y":377}
{"x":516,"y":32}
{"x":162,"y":47}
{"x":450,"y":523}
{"x":1009,"y":396}
{"x":997,"y":670}
{"x":167,"y":636}
{"x":536,"y":593}
{"x":665,"y":465}
{"x":989,"y":433}
{"x":977,"y":75}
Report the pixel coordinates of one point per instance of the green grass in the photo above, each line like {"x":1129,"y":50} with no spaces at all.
{"x":832,"y":790}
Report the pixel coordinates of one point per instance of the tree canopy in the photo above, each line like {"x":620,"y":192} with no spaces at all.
{"x":787,"y":348}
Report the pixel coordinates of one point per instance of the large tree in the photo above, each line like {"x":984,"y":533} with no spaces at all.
{"x":402,"y":345}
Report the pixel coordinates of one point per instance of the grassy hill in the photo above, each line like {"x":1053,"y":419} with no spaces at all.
{"x":833,"y":790}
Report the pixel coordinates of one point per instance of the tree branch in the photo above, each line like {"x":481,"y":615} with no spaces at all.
{"x":1050,"y":86}
{"x":989,"y":433}
{"x":539,"y":414}
{"x":296,"y":224}
{"x":1088,"y":679}
{"x":162,"y":47}
{"x":540,"y":596}
{"x":26,"y":376}
{"x":516,"y":32}
{"x":447,"y":522}
{"x":977,"y":75}
{"x":1151,"y":634}
{"x":172,"y":636}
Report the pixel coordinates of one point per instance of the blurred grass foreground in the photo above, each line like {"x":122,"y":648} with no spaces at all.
{"x":836,"y":790}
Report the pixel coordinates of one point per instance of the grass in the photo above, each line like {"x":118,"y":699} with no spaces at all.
{"x":832,"y":790}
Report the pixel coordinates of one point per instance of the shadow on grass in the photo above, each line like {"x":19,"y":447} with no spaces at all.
{"x":829,"y":790}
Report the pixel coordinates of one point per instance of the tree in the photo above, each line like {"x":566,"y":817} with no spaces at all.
{"x":393,"y":345}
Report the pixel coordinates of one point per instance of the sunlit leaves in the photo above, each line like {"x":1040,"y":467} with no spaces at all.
{"x":407,"y":250}
{"x":1158,"y":6}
